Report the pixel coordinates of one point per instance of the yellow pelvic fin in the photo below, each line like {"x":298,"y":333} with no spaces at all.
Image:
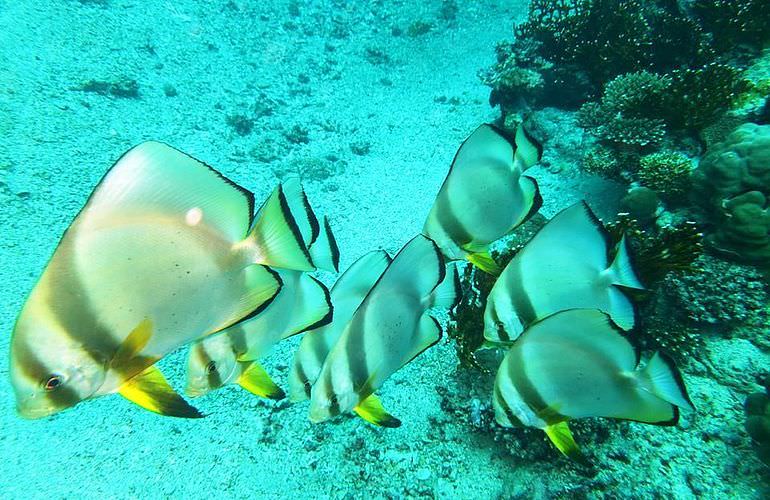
{"x":151,"y":391}
{"x":485,"y":262}
{"x":561,"y":437}
{"x":132,"y":345}
{"x":256,"y":380}
{"x":371,"y":410}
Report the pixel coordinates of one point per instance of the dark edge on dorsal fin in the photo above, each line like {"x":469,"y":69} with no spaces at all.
{"x":441,"y":264}
{"x":335,"y":249}
{"x":532,"y":140}
{"x":314,"y":226}
{"x":677,"y":376}
{"x":440,"y":336}
{"x":462,"y":144}
{"x":327,"y":318}
{"x":245,"y":192}
{"x":262,"y":306}
{"x":537,"y":201}
{"x":293,"y":225}
{"x":458,"y":288}
{"x":504,"y":134}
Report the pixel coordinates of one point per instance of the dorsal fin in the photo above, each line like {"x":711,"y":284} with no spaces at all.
{"x":157,"y":180}
{"x":325,"y":252}
{"x":300,"y":208}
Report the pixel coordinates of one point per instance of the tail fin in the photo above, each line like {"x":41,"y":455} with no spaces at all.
{"x":324,"y":251}
{"x":277,"y":237}
{"x":447,"y":293}
{"x":622,"y":270}
{"x":661,"y":377}
{"x":528,"y":150}
{"x":300,"y":208}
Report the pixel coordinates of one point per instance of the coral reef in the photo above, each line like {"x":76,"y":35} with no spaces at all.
{"x":637,"y":109}
{"x":667,"y":173}
{"x":579,"y":45}
{"x":641,"y":203}
{"x":732,"y":183}
{"x":734,"y":23}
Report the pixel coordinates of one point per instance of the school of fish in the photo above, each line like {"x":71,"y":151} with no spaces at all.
{"x":167,"y":252}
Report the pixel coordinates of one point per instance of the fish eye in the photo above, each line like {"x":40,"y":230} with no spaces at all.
{"x":335,"y":400}
{"x":211,"y":367}
{"x":53,"y":382}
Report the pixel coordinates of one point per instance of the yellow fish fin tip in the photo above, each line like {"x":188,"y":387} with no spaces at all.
{"x":133,"y":344}
{"x":371,"y":410}
{"x":561,"y":437}
{"x":151,"y":391}
{"x":485,"y":262}
{"x":256,"y":380}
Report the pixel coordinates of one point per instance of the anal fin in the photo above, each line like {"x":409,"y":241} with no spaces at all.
{"x":256,"y":380}
{"x":561,"y":437}
{"x":151,"y":391}
{"x":371,"y":410}
{"x":485,"y":262}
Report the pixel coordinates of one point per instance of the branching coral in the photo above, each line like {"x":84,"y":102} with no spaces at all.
{"x":696,"y":97}
{"x":667,"y":173}
{"x":735,"y":22}
{"x":636,"y":109}
{"x":571,"y":48}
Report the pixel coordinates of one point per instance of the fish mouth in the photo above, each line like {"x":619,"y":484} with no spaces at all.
{"x":318,"y":416}
{"x":35,"y":413}
{"x":195,"y":392}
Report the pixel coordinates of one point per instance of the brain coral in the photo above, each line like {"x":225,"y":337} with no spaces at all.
{"x":733,"y":183}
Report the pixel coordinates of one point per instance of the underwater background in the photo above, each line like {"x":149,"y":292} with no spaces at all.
{"x":657,"y":108}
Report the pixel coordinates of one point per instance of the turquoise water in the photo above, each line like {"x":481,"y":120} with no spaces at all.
{"x":368,"y":101}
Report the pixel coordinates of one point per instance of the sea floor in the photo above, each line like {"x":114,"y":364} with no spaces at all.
{"x":368,"y":101}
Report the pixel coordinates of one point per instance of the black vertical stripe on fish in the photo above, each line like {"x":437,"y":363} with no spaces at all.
{"x":500,"y":328}
{"x":299,"y":370}
{"x":73,"y":310}
{"x":512,"y":418}
{"x":292,"y":223}
{"x":334,"y":402}
{"x":519,"y":297}
{"x":447,"y":219}
{"x":315,"y":228}
{"x":355,"y":351}
{"x":237,"y":338}
{"x":33,"y":368}
{"x":213,"y":377}
{"x":335,"y":250}
{"x":527,"y":390}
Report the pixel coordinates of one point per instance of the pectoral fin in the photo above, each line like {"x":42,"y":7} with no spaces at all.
{"x":132,"y":345}
{"x":561,"y":437}
{"x":151,"y":391}
{"x":485,"y":262}
{"x":256,"y":380}
{"x":371,"y":410}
